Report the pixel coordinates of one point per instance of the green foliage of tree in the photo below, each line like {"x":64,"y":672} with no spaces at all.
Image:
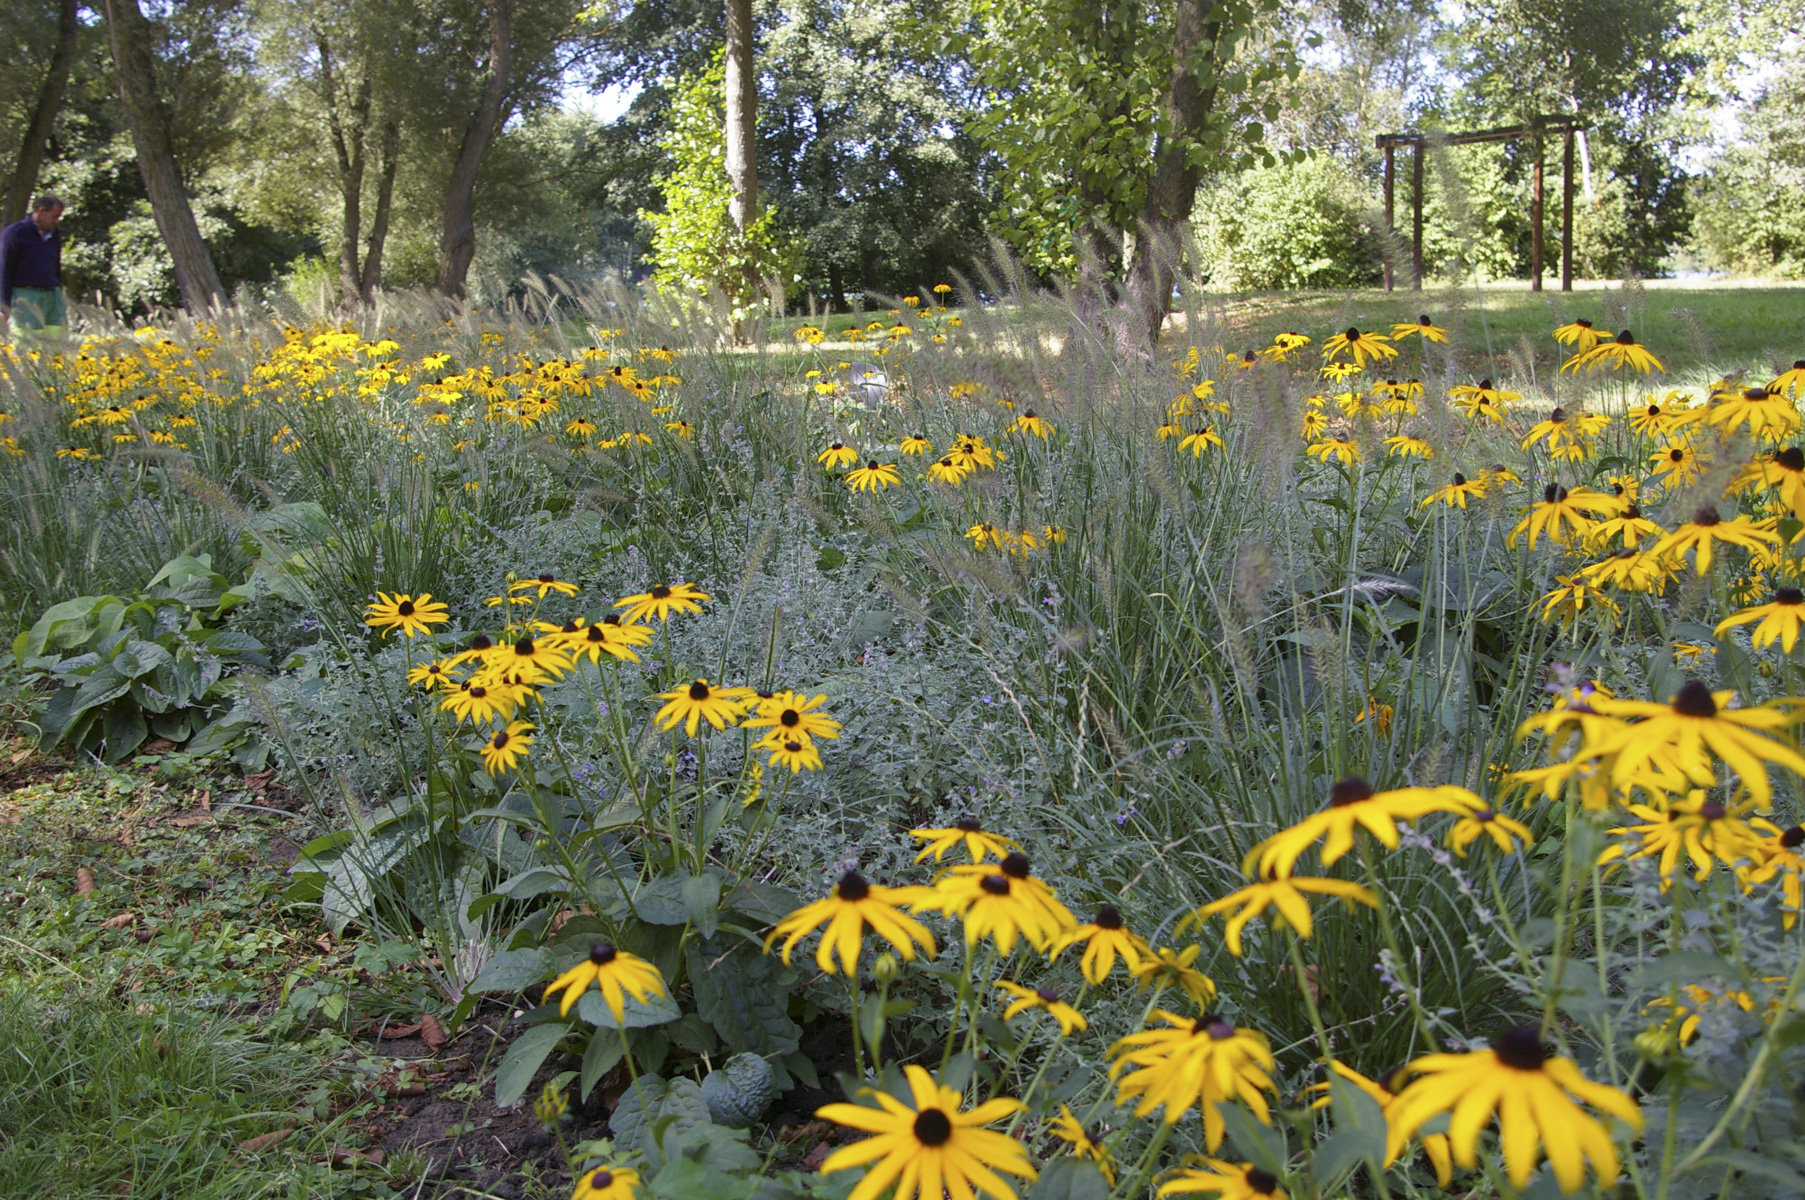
{"x":695,"y":247}
{"x":1751,"y":200}
{"x":1295,"y":225}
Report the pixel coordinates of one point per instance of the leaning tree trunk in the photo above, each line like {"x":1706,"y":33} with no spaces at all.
{"x":1159,"y":242}
{"x":385,"y":196}
{"x":130,"y":35}
{"x":742,"y":145}
{"x":349,"y":133}
{"x":43,"y":116}
{"x":457,"y":237}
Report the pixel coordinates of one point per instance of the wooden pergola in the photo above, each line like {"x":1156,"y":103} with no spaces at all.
{"x":1537,"y":128}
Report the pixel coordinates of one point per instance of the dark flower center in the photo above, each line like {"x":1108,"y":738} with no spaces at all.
{"x":1676,"y":455}
{"x":1654,"y":410}
{"x":1108,"y":918}
{"x":478,"y":691}
{"x":405,"y":608}
{"x":1792,"y":458}
{"x":837,"y":446}
{"x":602,"y":953}
{"x":793,"y":747}
{"x":946,"y":462}
{"x":1016,"y":865}
{"x":548,"y":579}
{"x":601,"y":1178}
{"x":1583,"y":323}
{"x":996,"y":885}
{"x":1789,"y":596}
{"x":1694,"y":700}
{"x":853,"y":887}
{"x":1484,"y":816}
{"x":611,"y":619}
{"x":500,"y":739}
{"x":661,"y":592}
{"x":1353,"y":335}
{"x":1799,"y":365}
{"x":872,"y":465}
{"x":1632,"y":513}
{"x":921,"y":437}
{"x":569,"y":627}
{"x":594,"y":634}
{"x":1549,"y":492}
{"x":1624,"y":339}
{"x":790,"y":718}
{"x":698,"y":691}
{"x":1218,"y":1027}
{"x":1265,"y":1182}
{"x":1029,"y":415}
{"x":1459,"y":479}
{"x":1756,"y":394}
{"x":1351,"y":790}
{"x":1422,"y":319}
{"x":1485,"y":385}
{"x":968,"y":825}
{"x":1557,"y":415}
{"x":524,"y":647}
{"x":1521,"y":1048}
{"x":1793,"y":837}
{"x":1706,"y":516}
{"x":933,"y":1127}
{"x":1711,"y":810}
{"x":1047,"y":995}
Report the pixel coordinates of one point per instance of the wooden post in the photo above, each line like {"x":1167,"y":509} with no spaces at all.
{"x":1416,"y":218}
{"x":1535,"y":214}
{"x":1390,"y":209}
{"x":1567,"y":211}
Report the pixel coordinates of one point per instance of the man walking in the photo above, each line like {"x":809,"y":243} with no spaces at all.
{"x":31,"y":271}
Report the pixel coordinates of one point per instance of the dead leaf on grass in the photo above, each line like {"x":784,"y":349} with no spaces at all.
{"x":399,"y":1031}
{"x":264,"y":1141}
{"x":341,"y":1157}
{"x":191,"y":822}
{"x":120,"y":921}
{"x":84,"y":882}
{"x":816,"y":1156}
{"x":431,"y":1032}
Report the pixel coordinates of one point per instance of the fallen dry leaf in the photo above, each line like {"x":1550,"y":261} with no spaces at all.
{"x":84,"y":882}
{"x":808,"y":1129}
{"x":157,"y":746}
{"x":341,"y":1157}
{"x":20,"y":757}
{"x":206,"y":800}
{"x":815,"y":1157}
{"x":120,"y":921}
{"x":431,"y":1032}
{"x":400,"y":1031}
{"x":263,"y":1141}
{"x":190,"y":822}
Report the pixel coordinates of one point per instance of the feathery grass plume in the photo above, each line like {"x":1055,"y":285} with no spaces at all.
{"x":1698,"y":338}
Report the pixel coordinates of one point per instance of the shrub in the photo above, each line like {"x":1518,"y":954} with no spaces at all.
{"x":1302,"y":226}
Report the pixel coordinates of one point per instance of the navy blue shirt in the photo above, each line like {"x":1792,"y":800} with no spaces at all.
{"x":29,"y":258}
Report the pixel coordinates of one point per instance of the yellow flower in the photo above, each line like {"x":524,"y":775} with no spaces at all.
{"x":929,"y":1149}
{"x":403,"y":612}
{"x":610,"y":636}
{"x":837,"y":455}
{"x":1697,"y":724}
{"x":617,"y":974}
{"x":1781,"y":857}
{"x":1283,"y":893}
{"x":1360,"y":347}
{"x":1532,"y":1090}
{"x":810,"y":335}
{"x":430,"y":676}
{"x":1047,"y":1000}
{"x":1423,"y":327}
{"x":1401,"y":446}
{"x":1579,"y":334}
{"x":917,"y":443}
{"x":1226,"y":1180}
{"x":1571,"y":597}
{"x":1205,"y":1062}
{"x":1343,"y":450}
{"x":1455,"y":494}
{"x":1503,"y":831}
{"x":1768,"y":414}
{"x":1069,"y":1130}
{"x":661,"y":602}
{"x":1104,"y":939}
{"x":506,"y":747}
{"x":1780,"y":619}
{"x":1435,"y":1145}
{"x":682,"y":429}
{"x":1790,"y":380}
{"x":872,"y":477}
{"x":607,"y":1183}
{"x":1002,"y":901}
{"x":791,"y":713}
{"x":1616,"y":353}
{"x":846,"y":911}
{"x":1706,"y":830}
{"x":693,"y":704}
{"x":1706,"y":529}
{"x":1200,"y":439}
{"x":1353,"y":803}
{"x":791,"y":753}
{"x":1028,"y":422}
{"x":1562,"y":515}
{"x":1630,"y":570}
{"x":1176,"y":968}
{"x":948,"y":470}
{"x":978,"y":843}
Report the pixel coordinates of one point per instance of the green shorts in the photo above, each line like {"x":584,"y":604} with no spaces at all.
{"x":39,"y":310}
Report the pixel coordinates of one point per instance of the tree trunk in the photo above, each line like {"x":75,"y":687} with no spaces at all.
{"x":1172,"y":192}
{"x":348,"y":139}
{"x":457,"y":237}
{"x":741,"y":86}
{"x":43,"y":117}
{"x":385,"y":195}
{"x":130,"y":36}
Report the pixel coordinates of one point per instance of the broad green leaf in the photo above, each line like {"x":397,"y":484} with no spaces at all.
{"x":1070,"y":1178}
{"x":523,"y":1059}
{"x":745,"y":995}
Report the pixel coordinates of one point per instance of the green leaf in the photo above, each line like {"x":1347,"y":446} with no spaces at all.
{"x":523,"y":1060}
{"x":661,"y":902}
{"x":702,"y":902}
{"x":512,"y":971}
{"x":635,"y":1013}
{"x":1682,"y":966}
{"x":1750,"y":1163}
{"x":603,"y":1052}
{"x":745,"y":995}
{"x":1070,"y":1178}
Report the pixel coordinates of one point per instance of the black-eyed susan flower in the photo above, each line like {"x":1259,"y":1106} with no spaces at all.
{"x":1045,"y":1000}
{"x":1704,"y":830}
{"x":797,"y":755}
{"x":1571,"y":597}
{"x":1225,"y":1181}
{"x":930,"y":1148}
{"x":610,"y":636}
{"x":1630,"y":570}
{"x":853,"y":906}
{"x":917,"y":443}
{"x":1621,"y":351}
{"x":1697,"y":724}
{"x":1779,"y":619}
{"x":1205,"y":1062}
{"x":791,"y":713}
{"x":1070,"y":1130}
{"x":1562,"y":516}
{"x":1336,"y":372}
{"x":1657,"y":417}
{"x":1353,"y":804}
{"x":1767,"y":414}
{"x":661,"y":601}
{"x":1455,"y":493}
{"x":543,"y":585}
{"x":874,"y":476}
{"x":973,"y":452}
{"x":1422,"y":327}
{"x":1284,"y":894}
{"x":1675,"y":465}
{"x":1533,"y":1090}
{"x":607,"y":1183}
{"x":810,"y":335}
{"x":1435,"y":1145}
{"x":1359,"y":347}
{"x":1200,"y":439}
{"x":1403,"y":446}
{"x":1167,"y":967}
{"x":616,"y":973}
{"x":579,"y":427}
{"x":1104,"y":938}
{"x":1579,"y":334}
{"x":967,"y":832}
{"x":480,"y":703}
{"x":430,"y":676}
{"x":690,"y":706}
{"x":1482,"y":399}
{"x":1627,"y":530}
{"x":1346,"y":451}
{"x":1505,"y":832}
{"x":1029,"y":422}
{"x":409,"y":614}
{"x":528,"y":660}
{"x":837,"y":455}
{"x":1706,"y":529}
{"x":506,"y":747}
{"x":1790,"y":380}
{"x":1002,"y":901}
{"x":682,"y":429}
{"x":1783,"y":858}
{"x":948,"y":470}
